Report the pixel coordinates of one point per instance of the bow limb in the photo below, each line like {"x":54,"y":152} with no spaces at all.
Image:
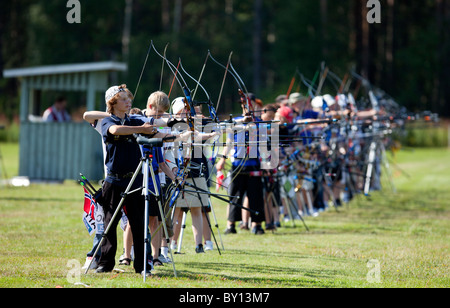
{"x":212,"y":112}
{"x":162,"y":67}
{"x":191,"y":112}
{"x":224,"y":77}
{"x":244,"y":96}
{"x":245,"y":100}
{"x":173,"y":80}
{"x":227,"y":70}
{"x":143,"y":68}
{"x":291,"y":85}
{"x":201,"y":75}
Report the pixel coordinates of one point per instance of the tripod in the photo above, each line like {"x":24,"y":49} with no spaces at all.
{"x":376,"y":157}
{"x":203,"y":206}
{"x":370,"y":167}
{"x":289,"y":202}
{"x":145,"y":165}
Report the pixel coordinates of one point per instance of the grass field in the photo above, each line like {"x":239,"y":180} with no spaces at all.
{"x":392,"y":240}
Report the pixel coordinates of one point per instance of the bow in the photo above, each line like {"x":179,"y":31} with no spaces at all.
{"x":245,"y":101}
{"x":142,"y":71}
{"x":211,"y":109}
{"x":245,"y":98}
{"x":181,"y":173}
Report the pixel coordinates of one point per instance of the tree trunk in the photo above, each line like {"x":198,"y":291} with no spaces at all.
{"x":324,"y":21}
{"x":165,"y":15}
{"x":127,"y":31}
{"x":365,"y":40}
{"x":178,"y":8}
{"x":257,"y":45}
{"x":389,"y":47}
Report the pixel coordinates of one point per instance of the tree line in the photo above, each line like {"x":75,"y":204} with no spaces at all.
{"x":406,"y":54}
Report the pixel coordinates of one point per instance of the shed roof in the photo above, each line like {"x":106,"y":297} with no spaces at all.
{"x":64,"y":69}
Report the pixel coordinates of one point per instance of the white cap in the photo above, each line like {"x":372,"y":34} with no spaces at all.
{"x":317,"y":102}
{"x":109,"y":94}
{"x":177,"y":105}
{"x":329,"y":99}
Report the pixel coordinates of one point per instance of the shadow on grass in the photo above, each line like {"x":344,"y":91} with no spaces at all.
{"x":263,"y":275}
{"x":273,"y":273}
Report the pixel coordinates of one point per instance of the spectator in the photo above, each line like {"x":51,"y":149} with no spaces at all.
{"x":57,"y":112}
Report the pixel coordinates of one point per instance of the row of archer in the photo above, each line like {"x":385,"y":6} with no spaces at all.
{"x":331,"y":148}
{"x":321,"y":145}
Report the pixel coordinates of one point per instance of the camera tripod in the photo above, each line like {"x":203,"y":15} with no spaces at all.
{"x":145,"y":166}
{"x":203,"y":209}
{"x":376,"y":158}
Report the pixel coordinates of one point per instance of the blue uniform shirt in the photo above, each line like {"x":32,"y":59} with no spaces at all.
{"x":122,"y":152}
{"x":241,"y":150}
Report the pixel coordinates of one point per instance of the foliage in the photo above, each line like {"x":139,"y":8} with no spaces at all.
{"x":10,"y":133}
{"x":427,"y":137}
{"x":422,"y":134}
{"x":405,"y":54}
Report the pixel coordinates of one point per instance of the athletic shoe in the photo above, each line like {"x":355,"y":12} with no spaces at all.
{"x":164,"y":259}
{"x":102,"y":269}
{"x":94,"y":264}
{"x":270,"y":227}
{"x":199,"y":249}
{"x":257,"y":230}
{"x":209,"y":245}
{"x":230,"y":230}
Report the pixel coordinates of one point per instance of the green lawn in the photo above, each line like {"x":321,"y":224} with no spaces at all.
{"x":403,"y":235}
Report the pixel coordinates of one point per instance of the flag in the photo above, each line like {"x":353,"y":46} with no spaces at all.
{"x":89,"y":210}
{"x":219,"y":180}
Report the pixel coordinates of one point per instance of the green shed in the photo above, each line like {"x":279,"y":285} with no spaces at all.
{"x":56,"y":151}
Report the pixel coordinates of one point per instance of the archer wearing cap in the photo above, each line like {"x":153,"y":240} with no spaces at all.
{"x":284,"y":114}
{"x":122,"y":159}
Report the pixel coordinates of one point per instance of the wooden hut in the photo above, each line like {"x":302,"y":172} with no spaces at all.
{"x":58,"y":151}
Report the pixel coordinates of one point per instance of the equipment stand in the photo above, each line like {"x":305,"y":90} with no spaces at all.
{"x":148,"y":166}
{"x":146,"y":163}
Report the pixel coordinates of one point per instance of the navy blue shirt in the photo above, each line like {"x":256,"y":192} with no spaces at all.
{"x":241,"y":151}
{"x":310,"y":114}
{"x":122,"y":152}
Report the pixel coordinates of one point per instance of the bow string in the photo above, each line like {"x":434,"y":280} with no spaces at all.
{"x":190,"y":120}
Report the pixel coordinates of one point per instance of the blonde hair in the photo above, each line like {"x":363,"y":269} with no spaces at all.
{"x":110,"y":104}
{"x":136,"y":110}
{"x":158,"y":99}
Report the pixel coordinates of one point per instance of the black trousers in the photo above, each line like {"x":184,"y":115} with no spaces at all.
{"x":252,"y":186}
{"x":135,"y":209}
